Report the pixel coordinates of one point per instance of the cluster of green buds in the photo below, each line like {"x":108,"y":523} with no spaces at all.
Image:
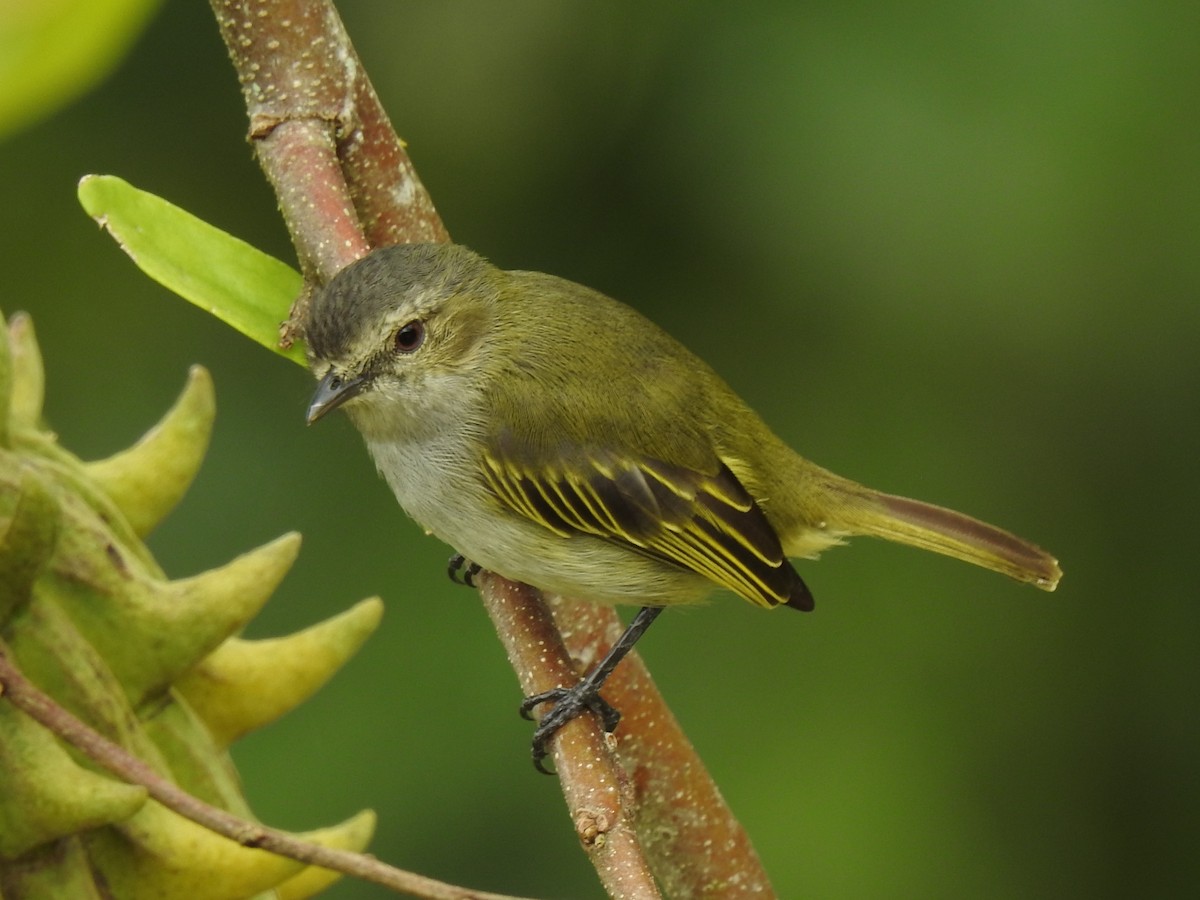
{"x":152,"y":664}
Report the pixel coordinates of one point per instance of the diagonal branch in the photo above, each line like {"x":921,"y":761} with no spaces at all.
{"x":597,"y":790}
{"x":345,"y":184}
{"x":343,"y":179}
{"x":690,"y":835}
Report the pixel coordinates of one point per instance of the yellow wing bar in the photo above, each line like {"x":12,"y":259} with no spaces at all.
{"x":704,"y":522}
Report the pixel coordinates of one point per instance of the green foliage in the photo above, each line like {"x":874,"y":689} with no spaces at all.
{"x":53,"y":50}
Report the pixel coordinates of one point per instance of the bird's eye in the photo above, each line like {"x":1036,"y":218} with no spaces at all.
{"x":410,"y":337}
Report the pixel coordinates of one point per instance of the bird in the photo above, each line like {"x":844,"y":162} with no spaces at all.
{"x":557,"y":437}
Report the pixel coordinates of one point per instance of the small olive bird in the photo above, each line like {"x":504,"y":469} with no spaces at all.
{"x":556,"y":437}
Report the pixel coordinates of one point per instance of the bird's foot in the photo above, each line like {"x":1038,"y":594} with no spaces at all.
{"x":462,"y":571}
{"x":568,"y":704}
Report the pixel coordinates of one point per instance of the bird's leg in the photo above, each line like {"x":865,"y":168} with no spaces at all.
{"x":462,"y":571}
{"x":585,"y":695}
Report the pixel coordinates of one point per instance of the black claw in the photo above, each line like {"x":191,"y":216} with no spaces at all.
{"x":585,"y":696}
{"x":568,"y":704}
{"x":462,"y":571}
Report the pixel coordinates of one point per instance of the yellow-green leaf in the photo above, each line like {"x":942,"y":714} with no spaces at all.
{"x":240,"y":285}
{"x":53,"y":50}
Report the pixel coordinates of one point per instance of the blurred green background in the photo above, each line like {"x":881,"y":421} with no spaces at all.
{"x":947,"y":249}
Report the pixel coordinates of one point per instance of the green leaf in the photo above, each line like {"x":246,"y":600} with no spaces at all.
{"x":238,"y":284}
{"x":53,"y":50}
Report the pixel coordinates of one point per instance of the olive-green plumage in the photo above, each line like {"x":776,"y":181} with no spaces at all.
{"x":557,"y":437}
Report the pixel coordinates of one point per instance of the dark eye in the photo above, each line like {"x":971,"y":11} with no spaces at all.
{"x":410,"y":337}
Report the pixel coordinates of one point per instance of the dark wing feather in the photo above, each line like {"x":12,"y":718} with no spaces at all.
{"x":706,"y":522}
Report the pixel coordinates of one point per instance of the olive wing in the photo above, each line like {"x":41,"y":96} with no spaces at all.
{"x":703,"y":521}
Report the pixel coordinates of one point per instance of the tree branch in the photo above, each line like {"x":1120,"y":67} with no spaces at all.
{"x":596,"y":789}
{"x":22,"y":694}
{"x":345,"y":183}
{"x":343,"y":179}
{"x":692,"y":838}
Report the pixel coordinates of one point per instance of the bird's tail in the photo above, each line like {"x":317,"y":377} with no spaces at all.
{"x":930,"y":527}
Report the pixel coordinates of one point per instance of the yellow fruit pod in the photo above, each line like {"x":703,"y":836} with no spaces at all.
{"x":88,"y":617}
{"x":149,"y":479}
{"x":29,"y":519}
{"x":151,"y":631}
{"x":354,"y":834}
{"x":57,"y":869}
{"x":158,"y":854}
{"x":47,"y":795}
{"x":245,"y":684}
{"x":28,"y":379}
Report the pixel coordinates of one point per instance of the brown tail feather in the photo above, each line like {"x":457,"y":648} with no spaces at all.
{"x":945,"y":531}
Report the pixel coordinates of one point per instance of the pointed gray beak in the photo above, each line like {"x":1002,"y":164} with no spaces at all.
{"x":332,"y":392}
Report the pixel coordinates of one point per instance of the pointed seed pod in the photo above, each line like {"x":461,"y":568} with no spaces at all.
{"x":28,"y":531}
{"x":157,"y":853}
{"x":353,"y":834}
{"x":151,"y":632}
{"x":88,"y":616}
{"x":246,"y":684}
{"x":47,"y":795}
{"x":55,"y":869}
{"x":28,"y":375}
{"x":149,"y":479}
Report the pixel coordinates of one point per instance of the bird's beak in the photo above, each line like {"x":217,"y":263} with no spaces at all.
{"x":332,"y":392}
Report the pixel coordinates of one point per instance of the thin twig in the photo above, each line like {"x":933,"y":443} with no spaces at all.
{"x":22,"y":694}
